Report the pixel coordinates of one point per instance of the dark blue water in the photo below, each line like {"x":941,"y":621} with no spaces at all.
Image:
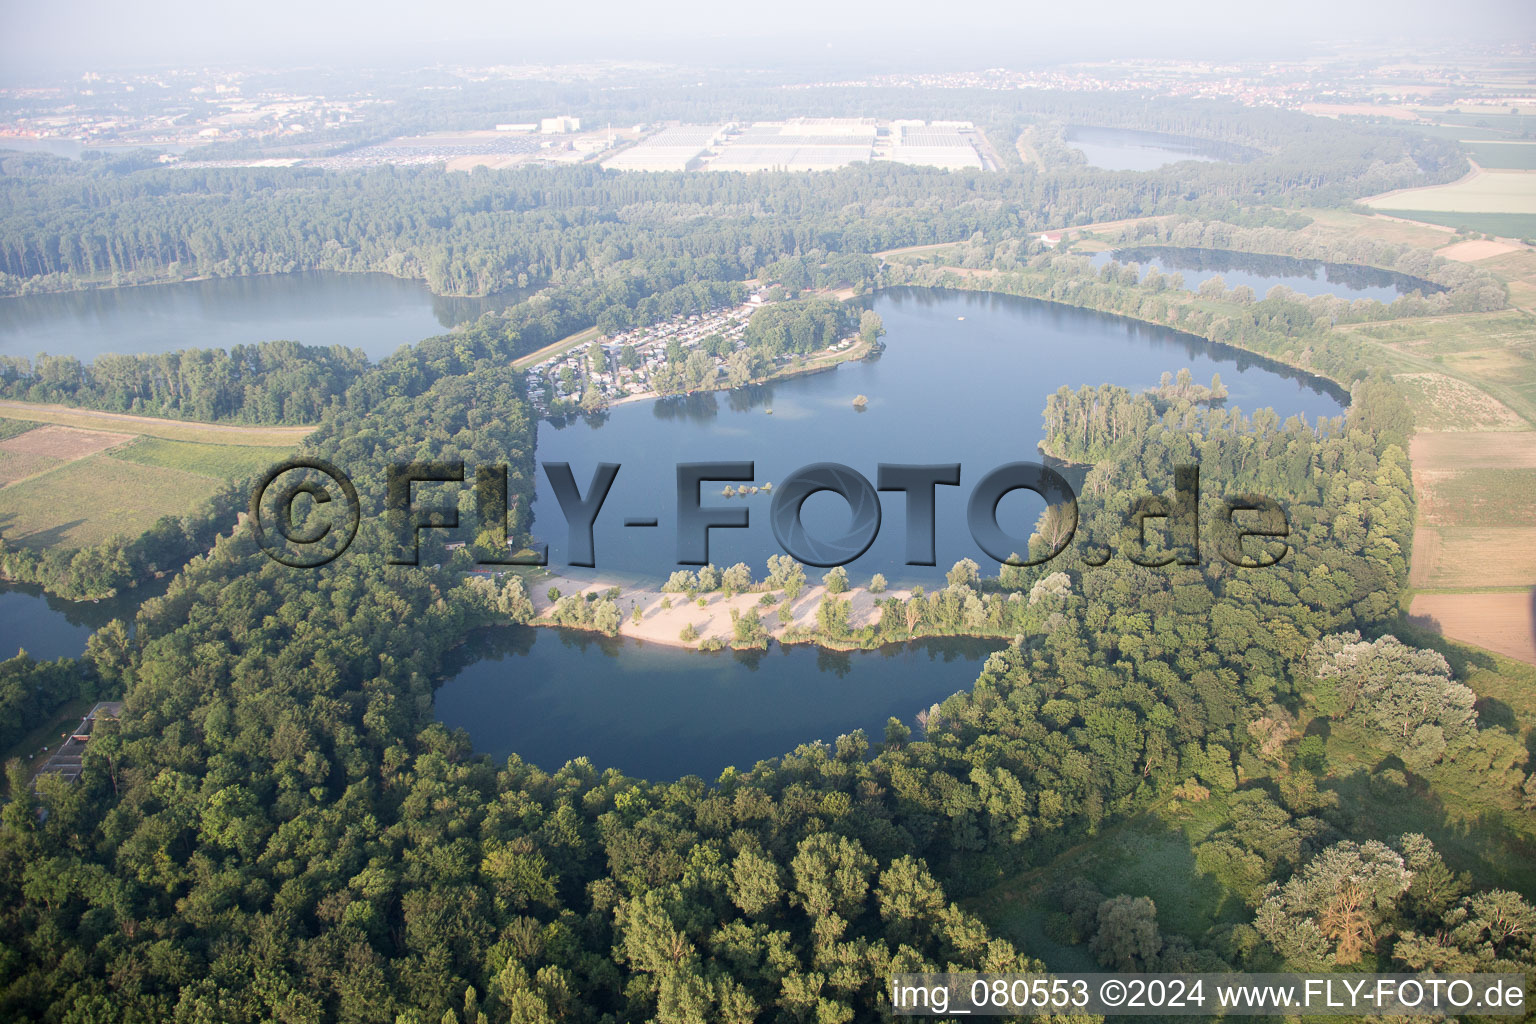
{"x":1261,"y":272}
{"x":662,"y":712}
{"x":51,"y":627}
{"x":945,"y":390}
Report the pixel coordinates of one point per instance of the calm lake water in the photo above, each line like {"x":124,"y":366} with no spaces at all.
{"x":50,"y":627}
{"x":1128,"y":149}
{"x":1261,"y":273}
{"x":662,"y":712}
{"x":374,"y":312}
{"x":964,"y":378}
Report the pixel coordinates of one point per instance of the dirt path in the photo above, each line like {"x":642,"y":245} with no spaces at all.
{"x":563,"y":345}
{"x":174,"y":430}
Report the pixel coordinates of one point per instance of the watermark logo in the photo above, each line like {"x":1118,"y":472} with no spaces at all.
{"x":331,"y":522}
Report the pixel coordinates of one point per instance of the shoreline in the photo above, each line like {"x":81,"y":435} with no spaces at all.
{"x":665,"y":625}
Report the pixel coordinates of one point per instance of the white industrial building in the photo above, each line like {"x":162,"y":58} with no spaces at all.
{"x":672,"y":149}
{"x":804,"y":144}
{"x":944,"y":144}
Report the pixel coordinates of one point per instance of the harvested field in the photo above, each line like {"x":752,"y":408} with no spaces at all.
{"x":1477,"y":510}
{"x":176,"y":430}
{"x":1442,"y":403}
{"x":1359,"y":110}
{"x":1477,"y":249}
{"x":1338,"y":225}
{"x":1461,"y":557}
{"x":63,"y":443}
{"x":14,"y":467}
{"x":1453,"y":452}
{"x":1503,"y":623}
{"x":220,"y":461}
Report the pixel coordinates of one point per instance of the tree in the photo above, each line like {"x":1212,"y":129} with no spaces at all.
{"x":877,"y":584}
{"x":606,"y":617}
{"x":736,"y":579}
{"x":1127,"y":938}
{"x":832,"y":617}
{"x":871,"y":327}
{"x":596,"y":358}
{"x":756,"y":883}
{"x":1405,"y":693}
{"x":1334,"y":908}
{"x":964,"y":573}
{"x":836,"y":580}
{"x":831,"y":875}
{"x":786,"y":574}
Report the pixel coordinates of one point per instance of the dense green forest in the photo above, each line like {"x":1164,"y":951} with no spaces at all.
{"x":277,"y":828}
{"x":66,"y":225}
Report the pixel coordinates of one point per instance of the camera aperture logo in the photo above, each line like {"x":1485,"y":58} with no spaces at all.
{"x":330,"y":524}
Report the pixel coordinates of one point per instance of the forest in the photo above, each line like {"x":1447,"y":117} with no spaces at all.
{"x":67,"y":225}
{"x":278,"y":829}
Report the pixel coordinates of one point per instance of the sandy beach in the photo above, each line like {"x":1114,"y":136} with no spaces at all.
{"x":665,"y":625}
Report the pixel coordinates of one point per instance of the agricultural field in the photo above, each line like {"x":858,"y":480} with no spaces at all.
{"x":10,"y":428}
{"x":1491,"y":353}
{"x":219,"y":461}
{"x":1504,"y":225}
{"x":151,"y":426}
{"x":95,"y":498}
{"x":1514,"y":156}
{"x":1518,"y":269}
{"x":1343,"y":226}
{"x":1443,"y":403}
{"x":1504,"y":623}
{"x":63,"y":486}
{"x":1477,"y":522}
{"x":1484,"y":192}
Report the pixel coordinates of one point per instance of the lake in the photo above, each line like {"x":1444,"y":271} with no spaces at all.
{"x":374,"y":312}
{"x":964,"y":378}
{"x":661,"y":712}
{"x":1130,"y":149}
{"x":51,"y":627}
{"x":1262,"y":272}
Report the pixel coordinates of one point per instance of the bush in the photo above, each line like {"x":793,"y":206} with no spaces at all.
{"x":1312,"y":752}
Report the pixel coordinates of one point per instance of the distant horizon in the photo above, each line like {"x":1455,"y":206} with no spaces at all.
{"x":77,"y":36}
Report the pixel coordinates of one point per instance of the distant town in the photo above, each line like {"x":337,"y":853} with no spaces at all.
{"x":199,"y":118}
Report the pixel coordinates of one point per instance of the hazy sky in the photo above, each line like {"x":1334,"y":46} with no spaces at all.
{"x":68,"y":35}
